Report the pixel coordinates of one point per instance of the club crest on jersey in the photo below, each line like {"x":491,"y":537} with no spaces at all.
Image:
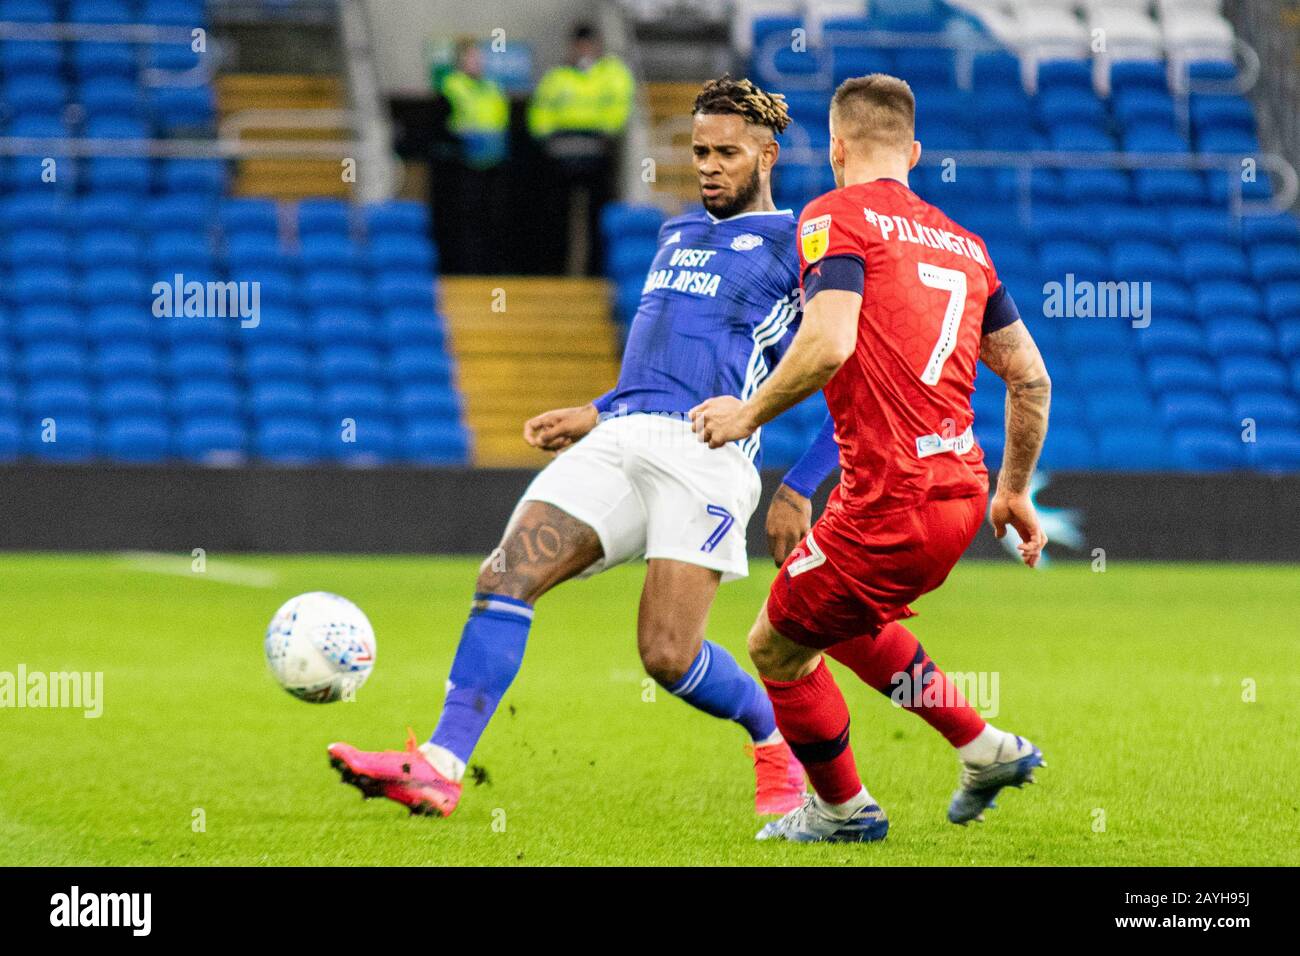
{"x":746,"y":242}
{"x":815,"y":238}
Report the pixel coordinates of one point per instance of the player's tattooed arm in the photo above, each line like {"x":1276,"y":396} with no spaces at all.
{"x":1011,"y":353}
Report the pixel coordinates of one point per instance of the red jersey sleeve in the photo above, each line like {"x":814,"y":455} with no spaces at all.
{"x":830,"y":228}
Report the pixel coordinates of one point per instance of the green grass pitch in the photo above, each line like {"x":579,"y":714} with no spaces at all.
{"x":1135,"y":682}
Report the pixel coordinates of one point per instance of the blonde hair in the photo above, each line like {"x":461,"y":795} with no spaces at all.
{"x":878,"y":109}
{"x":743,"y":98}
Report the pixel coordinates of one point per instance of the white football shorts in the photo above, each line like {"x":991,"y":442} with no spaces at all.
{"x":649,"y":487}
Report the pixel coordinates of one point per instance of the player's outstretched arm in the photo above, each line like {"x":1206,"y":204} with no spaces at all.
{"x":824,"y":342}
{"x":1011,"y":353}
{"x":789,"y":516}
{"x":559,"y":428}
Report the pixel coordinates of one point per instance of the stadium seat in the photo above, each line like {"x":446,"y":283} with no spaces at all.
{"x":139,"y":439}
{"x":212,"y":440}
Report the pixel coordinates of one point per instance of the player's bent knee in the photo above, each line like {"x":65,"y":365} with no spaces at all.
{"x":666,"y":661}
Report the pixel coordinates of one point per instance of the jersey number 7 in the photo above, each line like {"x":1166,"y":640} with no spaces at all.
{"x":952,"y":281}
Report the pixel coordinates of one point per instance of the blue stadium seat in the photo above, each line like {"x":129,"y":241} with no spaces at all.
{"x":424,"y":401}
{"x":327,"y":251}
{"x":419,"y":364}
{"x":1221,"y":111}
{"x":175,"y":13}
{"x":323,"y":289}
{"x":350,"y":363}
{"x":138,"y":438}
{"x":1172,"y":336}
{"x":184,"y":107}
{"x":108,"y":247}
{"x":1131,"y":448}
{"x":1069,"y":448}
{"x":1188,"y":225}
{"x":73,"y":439}
{"x":1095,"y":185}
{"x":197,"y":361}
{"x":126,"y":399}
{"x":10,"y":438}
{"x":35,"y":94}
{"x":1282,"y":227}
{"x":1198,"y":409}
{"x":1207,"y":449}
{"x":172,"y":57}
{"x":99,"y":11}
{"x":1168,"y":373}
{"x":1274,"y":450}
{"x":436,"y":443}
{"x":324,"y":217}
{"x":1156,"y":187}
{"x":57,"y":397}
{"x":630,"y":257}
{"x":215,"y":399}
{"x":42,"y":361}
{"x":205,"y":177}
{"x":1205,"y":260}
{"x":106,"y":211}
{"x":401,"y":217}
{"x":1128,"y":75}
{"x":50,"y":324}
{"x":1061,"y":257}
{"x":178,"y":212}
{"x":1218,"y":297}
{"x":1268,"y":409}
{"x":91,"y":58}
{"x":118,"y":361}
{"x":244,"y":216}
{"x":247,"y":252}
{"x":279,"y":325}
{"x":369,"y":440}
{"x":212,"y":439}
{"x":282,"y":399}
{"x":274,"y":362}
{"x":407,"y":326}
{"x":1138,"y":260}
{"x":40,"y":285}
{"x":119,"y":175}
{"x":110,"y":96}
{"x":28,"y":11}
{"x":289,"y":440}
{"x":1228,"y":335}
{"x":1275,"y":262}
{"x":1282,"y":301}
{"x":401,"y":252}
{"x":1252,"y":373}
{"x":1152,"y":137}
{"x":24,"y":57}
{"x":1065,"y":74}
{"x":403,"y":290}
{"x":355,"y":400}
{"x":343,"y":325}
{"x":119,"y":324}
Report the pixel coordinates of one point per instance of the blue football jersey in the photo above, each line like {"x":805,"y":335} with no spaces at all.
{"x":718,"y":310}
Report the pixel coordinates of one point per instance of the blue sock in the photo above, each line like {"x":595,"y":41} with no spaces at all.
{"x":487,"y":660}
{"x":715,"y":684}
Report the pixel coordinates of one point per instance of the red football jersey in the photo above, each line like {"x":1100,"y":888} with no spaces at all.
{"x":901,"y":403}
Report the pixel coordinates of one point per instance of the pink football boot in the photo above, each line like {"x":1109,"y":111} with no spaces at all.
{"x":403,"y":776}
{"x":779,"y":779}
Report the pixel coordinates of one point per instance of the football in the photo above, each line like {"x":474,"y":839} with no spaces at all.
{"x":320,"y":647}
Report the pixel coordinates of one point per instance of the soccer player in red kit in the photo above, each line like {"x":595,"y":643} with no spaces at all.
{"x":899,"y":303}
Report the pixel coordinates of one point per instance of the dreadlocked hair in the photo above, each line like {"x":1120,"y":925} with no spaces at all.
{"x":743,"y":98}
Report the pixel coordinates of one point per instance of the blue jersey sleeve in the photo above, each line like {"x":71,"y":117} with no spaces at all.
{"x":821,"y":458}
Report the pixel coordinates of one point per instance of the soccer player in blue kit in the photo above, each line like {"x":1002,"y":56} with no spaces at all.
{"x":718,"y":310}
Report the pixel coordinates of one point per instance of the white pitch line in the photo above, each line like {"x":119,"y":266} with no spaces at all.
{"x":155,"y":562}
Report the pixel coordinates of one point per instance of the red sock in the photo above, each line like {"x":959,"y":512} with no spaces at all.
{"x":894,"y":651}
{"x":814,"y":720}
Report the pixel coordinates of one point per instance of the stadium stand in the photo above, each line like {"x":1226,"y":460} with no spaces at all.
{"x":344,"y":359}
{"x":1221,"y":349}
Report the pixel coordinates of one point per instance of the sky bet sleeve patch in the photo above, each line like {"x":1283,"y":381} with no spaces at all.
{"x":815,"y":238}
